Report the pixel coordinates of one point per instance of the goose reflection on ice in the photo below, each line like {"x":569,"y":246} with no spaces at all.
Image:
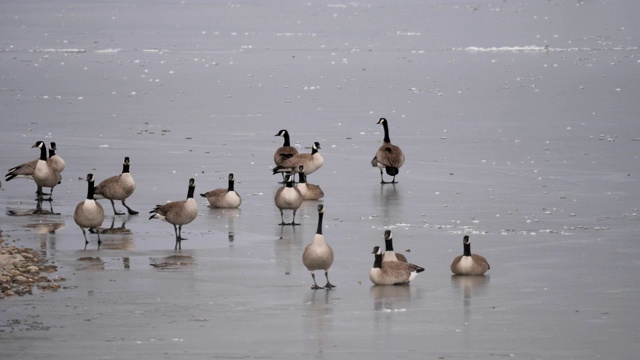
{"x":119,"y":238}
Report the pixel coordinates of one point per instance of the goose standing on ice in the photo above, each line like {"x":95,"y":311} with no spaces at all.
{"x":288,"y":198}
{"x":388,"y":157}
{"x":178,"y":213}
{"x":318,"y":255}
{"x":118,"y":187}
{"x":307,"y":190}
{"x":285,"y":151}
{"x":468,"y":263}
{"x":26,"y":170}
{"x":44,"y":173}
{"x":311,"y":162}
{"x":226,"y":198}
{"x":89,"y":213}
{"x":56,"y":162}
{"x":391,"y":272}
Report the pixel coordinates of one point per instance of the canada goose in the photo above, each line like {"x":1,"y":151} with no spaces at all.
{"x":388,"y":157}
{"x":44,"y":174}
{"x":56,"y":162}
{"x":468,"y":263}
{"x":25,"y":171}
{"x":286,"y":150}
{"x":224,"y":198}
{"x":311,"y":162}
{"x":308,"y":191}
{"x":389,"y":254}
{"x":89,"y":213}
{"x":318,"y":255}
{"x":288,"y":198}
{"x":391,"y":272}
{"x":178,"y":213}
{"x":22,"y":171}
{"x":118,"y":187}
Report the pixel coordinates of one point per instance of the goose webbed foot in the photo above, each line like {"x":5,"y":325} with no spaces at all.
{"x":132,"y":212}
{"x":316,"y":287}
{"x":329,"y":286}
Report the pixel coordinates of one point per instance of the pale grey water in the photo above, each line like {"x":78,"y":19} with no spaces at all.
{"x":533,"y":152}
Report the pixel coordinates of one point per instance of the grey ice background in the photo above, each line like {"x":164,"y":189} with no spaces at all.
{"x":518,"y":119}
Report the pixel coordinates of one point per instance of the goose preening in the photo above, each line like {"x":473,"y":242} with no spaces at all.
{"x":318,"y":255}
{"x":288,"y":198}
{"x":226,"y":198}
{"x":118,"y":187}
{"x":391,"y":272}
{"x":89,"y":213}
{"x":388,"y":157}
{"x":468,"y":263}
{"x":311,"y":162}
{"x":178,"y":213}
{"x":285,"y":151}
{"x":389,"y":254}
{"x":26,"y":170}
{"x":307,"y":190}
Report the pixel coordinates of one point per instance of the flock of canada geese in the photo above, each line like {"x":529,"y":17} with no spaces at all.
{"x":389,"y":268}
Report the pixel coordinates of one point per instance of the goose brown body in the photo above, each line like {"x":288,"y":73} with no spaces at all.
{"x":391,"y":272}
{"x":318,"y":255}
{"x":389,"y":157}
{"x":288,"y":198}
{"x":226,"y":198}
{"x":310,"y":161}
{"x":89,"y":214}
{"x":178,"y":213}
{"x":118,"y":187}
{"x":468,"y":263}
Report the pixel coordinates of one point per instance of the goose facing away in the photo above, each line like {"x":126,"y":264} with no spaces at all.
{"x":226,"y":198}
{"x":307,"y":190}
{"x":118,"y":187}
{"x":468,"y":263}
{"x":311,"y":162}
{"x":389,"y":254}
{"x":318,"y":255}
{"x":288,"y":198}
{"x":388,"y":157}
{"x":391,"y":272}
{"x":89,"y":213}
{"x":178,"y":213}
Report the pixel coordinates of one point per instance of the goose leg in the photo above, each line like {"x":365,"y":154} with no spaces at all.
{"x":115,"y":212}
{"x":328,"y":285}
{"x":86,"y":242}
{"x":382,"y":178}
{"x":315,"y":285}
{"x":130,"y":210}
{"x":293,"y":222}
{"x":175,"y":230}
{"x":282,"y":217}
{"x":99,"y":241}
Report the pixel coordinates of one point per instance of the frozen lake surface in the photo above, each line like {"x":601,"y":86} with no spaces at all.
{"x":520,"y":127}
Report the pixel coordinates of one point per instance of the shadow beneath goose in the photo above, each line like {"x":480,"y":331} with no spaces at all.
{"x":30,"y":212}
{"x":119,"y":238}
{"x":228,"y":217}
{"x":389,"y":298}
{"x":318,"y":320}
{"x":89,"y":263}
{"x":172,"y":262}
{"x":288,"y":249}
{"x":388,"y":199}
